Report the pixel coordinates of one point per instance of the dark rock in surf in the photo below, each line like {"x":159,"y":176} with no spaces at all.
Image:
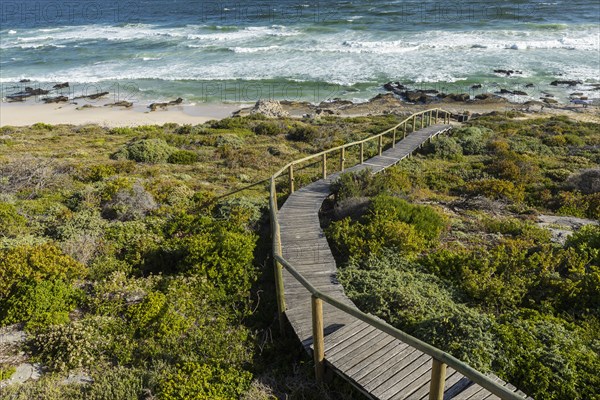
{"x":566,"y":82}
{"x":61,"y":85}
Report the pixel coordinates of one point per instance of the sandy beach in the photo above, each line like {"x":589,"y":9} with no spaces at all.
{"x":23,"y":114}
{"x":29,"y":112}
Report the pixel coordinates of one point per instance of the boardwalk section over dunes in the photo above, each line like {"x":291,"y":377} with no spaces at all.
{"x":378,"y":359}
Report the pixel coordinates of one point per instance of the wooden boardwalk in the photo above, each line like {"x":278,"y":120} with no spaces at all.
{"x":376,"y":363}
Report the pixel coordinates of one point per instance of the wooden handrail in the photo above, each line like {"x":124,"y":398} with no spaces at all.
{"x":447,"y":115}
{"x":440,"y":358}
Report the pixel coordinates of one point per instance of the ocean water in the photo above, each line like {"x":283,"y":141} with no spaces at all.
{"x":239,"y":51}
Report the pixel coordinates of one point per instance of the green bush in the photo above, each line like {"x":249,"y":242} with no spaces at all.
{"x":65,"y":347}
{"x":204,"y":382}
{"x":151,"y":151}
{"x":36,"y":263}
{"x":496,"y":189}
{"x":426,"y":220}
{"x":444,"y":147}
{"x":184,"y":157}
{"x":366,"y":184}
{"x":303,"y":133}
{"x":97,"y":173}
{"x":221,"y":255}
{"x":6,"y":372}
{"x":465,"y":333}
{"x":39,"y":304}
{"x":267,"y":128}
{"x":547,"y":359}
{"x":12,"y":224}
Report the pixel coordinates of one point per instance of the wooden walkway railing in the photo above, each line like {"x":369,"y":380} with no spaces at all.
{"x":382,"y":361}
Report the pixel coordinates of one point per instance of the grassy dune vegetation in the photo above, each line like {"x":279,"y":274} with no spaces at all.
{"x":446,"y":247}
{"x":122,"y":263}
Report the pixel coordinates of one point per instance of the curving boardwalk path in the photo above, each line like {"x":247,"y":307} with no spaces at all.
{"x":377,"y":364}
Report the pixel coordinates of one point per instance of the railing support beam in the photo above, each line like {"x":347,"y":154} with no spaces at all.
{"x":394,"y":138}
{"x":380,"y":144}
{"x":438,"y":380}
{"x":278,"y":272}
{"x":318,"y":339}
{"x":324,"y":165}
{"x":342,"y":158}
{"x":362,"y":152}
{"x":291,"y":176}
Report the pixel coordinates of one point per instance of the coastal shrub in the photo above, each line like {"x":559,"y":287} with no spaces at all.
{"x":150,"y":151}
{"x":241,"y":211}
{"x":131,"y":204}
{"x":587,"y":241}
{"x":465,"y":333}
{"x":546,"y":358}
{"x":6,"y":372}
{"x":586,"y":181}
{"x":517,"y":228}
{"x":444,"y":147}
{"x":65,"y":347}
{"x":267,"y":128}
{"x":39,"y":304}
{"x":12,"y":223}
{"x":98,"y":173}
{"x":473,"y":140}
{"x":37,"y":263}
{"x":221,"y":255}
{"x":204,"y":381}
{"x":495,"y":189}
{"x":133,"y":242}
{"x":301,"y":132}
{"x":184,"y":157}
{"x":426,"y":220}
{"x":358,"y":240}
{"x":229,"y":140}
{"x":366,"y":184}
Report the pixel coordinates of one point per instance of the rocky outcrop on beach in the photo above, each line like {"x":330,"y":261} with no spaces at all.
{"x":92,"y":96}
{"x":269,"y":108}
{"x":156,"y":106}
{"x":27,"y":92}
{"x":57,"y":99}
{"x":123,"y":103}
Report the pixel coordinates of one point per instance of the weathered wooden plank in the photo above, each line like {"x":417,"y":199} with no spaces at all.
{"x":392,"y":369}
{"x":363,"y":354}
{"x":402,"y":372}
{"x":410,"y":383}
{"x":352,"y":350}
{"x":371,"y":371}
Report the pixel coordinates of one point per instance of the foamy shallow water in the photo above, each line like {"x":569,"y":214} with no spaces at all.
{"x":216,"y":51}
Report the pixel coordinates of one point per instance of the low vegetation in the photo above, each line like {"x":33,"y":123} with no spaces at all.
{"x":125,"y":267}
{"x":446,"y":247}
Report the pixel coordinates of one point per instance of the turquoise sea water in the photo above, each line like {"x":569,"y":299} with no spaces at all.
{"x":234,"y":51}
